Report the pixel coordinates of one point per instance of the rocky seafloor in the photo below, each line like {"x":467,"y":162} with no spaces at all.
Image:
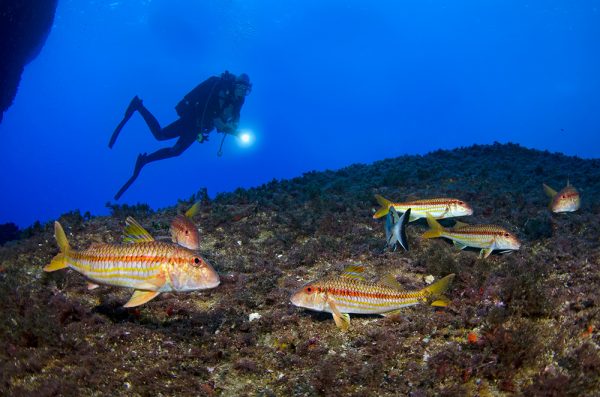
{"x":519,"y":324}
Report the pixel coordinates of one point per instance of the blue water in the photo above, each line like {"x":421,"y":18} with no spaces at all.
{"x":334,"y":83}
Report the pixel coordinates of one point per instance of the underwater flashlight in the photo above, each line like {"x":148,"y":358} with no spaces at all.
{"x":246,"y":138}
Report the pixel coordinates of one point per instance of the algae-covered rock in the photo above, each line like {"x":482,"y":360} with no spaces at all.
{"x":523,"y":323}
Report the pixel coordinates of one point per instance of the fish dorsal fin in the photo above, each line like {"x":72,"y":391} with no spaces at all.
{"x":389,"y":280}
{"x":354,"y":271}
{"x":135,"y":233}
{"x":460,"y":224}
{"x":549,"y":191}
{"x":193,"y":209}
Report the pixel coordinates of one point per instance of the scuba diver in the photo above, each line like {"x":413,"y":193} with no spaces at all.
{"x":214,"y":103}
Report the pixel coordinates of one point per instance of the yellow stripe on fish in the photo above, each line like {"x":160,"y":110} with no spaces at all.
{"x":439,"y":208}
{"x":146,"y":265}
{"x":486,"y":237}
{"x":351,"y":293}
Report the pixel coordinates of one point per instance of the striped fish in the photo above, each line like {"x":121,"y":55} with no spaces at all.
{"x":395,"y":229}
{"x":183,"y":230}
{"x":439,"y":208}
{"x":351,"y":293}
{"x":486,"y":237}
{"x":148,"y":266}
{"x":567,"y":200}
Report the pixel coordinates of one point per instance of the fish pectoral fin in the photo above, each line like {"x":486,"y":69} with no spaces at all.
{"x":485,"y":252}
{"x":342,"y":320}
{"x":152,"y":284}
{"x":459,"y":245}
{"x":135,"y":233}
{"x":91,"y":286}
{"x":140,"y":297}
{"x":392,"y":313}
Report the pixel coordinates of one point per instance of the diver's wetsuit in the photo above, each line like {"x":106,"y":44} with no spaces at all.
{"x":213,"y":103}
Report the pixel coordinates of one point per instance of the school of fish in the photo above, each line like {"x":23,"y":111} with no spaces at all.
{"x":150,"y":267}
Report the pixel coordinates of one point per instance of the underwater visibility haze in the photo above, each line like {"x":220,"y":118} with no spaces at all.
{"x":298,"y":198}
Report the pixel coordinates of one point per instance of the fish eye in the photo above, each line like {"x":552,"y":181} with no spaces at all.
{"x":461,"y":202}
{"x":196,"y":260}
{"x":309,"y":289}
{"x":506,"y":235}
{"x":187,"y":232}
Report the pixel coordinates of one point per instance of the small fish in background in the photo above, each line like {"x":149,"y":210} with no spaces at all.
{"x":567,"y":200}
{"x":439,"y":208}
{"x":183,"y":230}
{"x":395,"y":229}
{"x":351,"y":293}
{"x":486,"y":237}
{"x":148,"y":266}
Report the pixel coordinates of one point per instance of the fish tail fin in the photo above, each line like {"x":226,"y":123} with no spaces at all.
{"x":436,"y":229}
{"x":549,"y":191}
{"x":436,"y":290}
{"x":385,"y":206}
{"x":190,"y":213}
{"x":60,"y":260}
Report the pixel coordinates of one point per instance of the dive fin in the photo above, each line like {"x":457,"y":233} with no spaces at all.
{"x":153,"y":284}
{"x":436,"y":229}
{"x":135,"y":233}
{"x":385,"y":206}
{"x":140,"y":297}
{"x":60,"y":260}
